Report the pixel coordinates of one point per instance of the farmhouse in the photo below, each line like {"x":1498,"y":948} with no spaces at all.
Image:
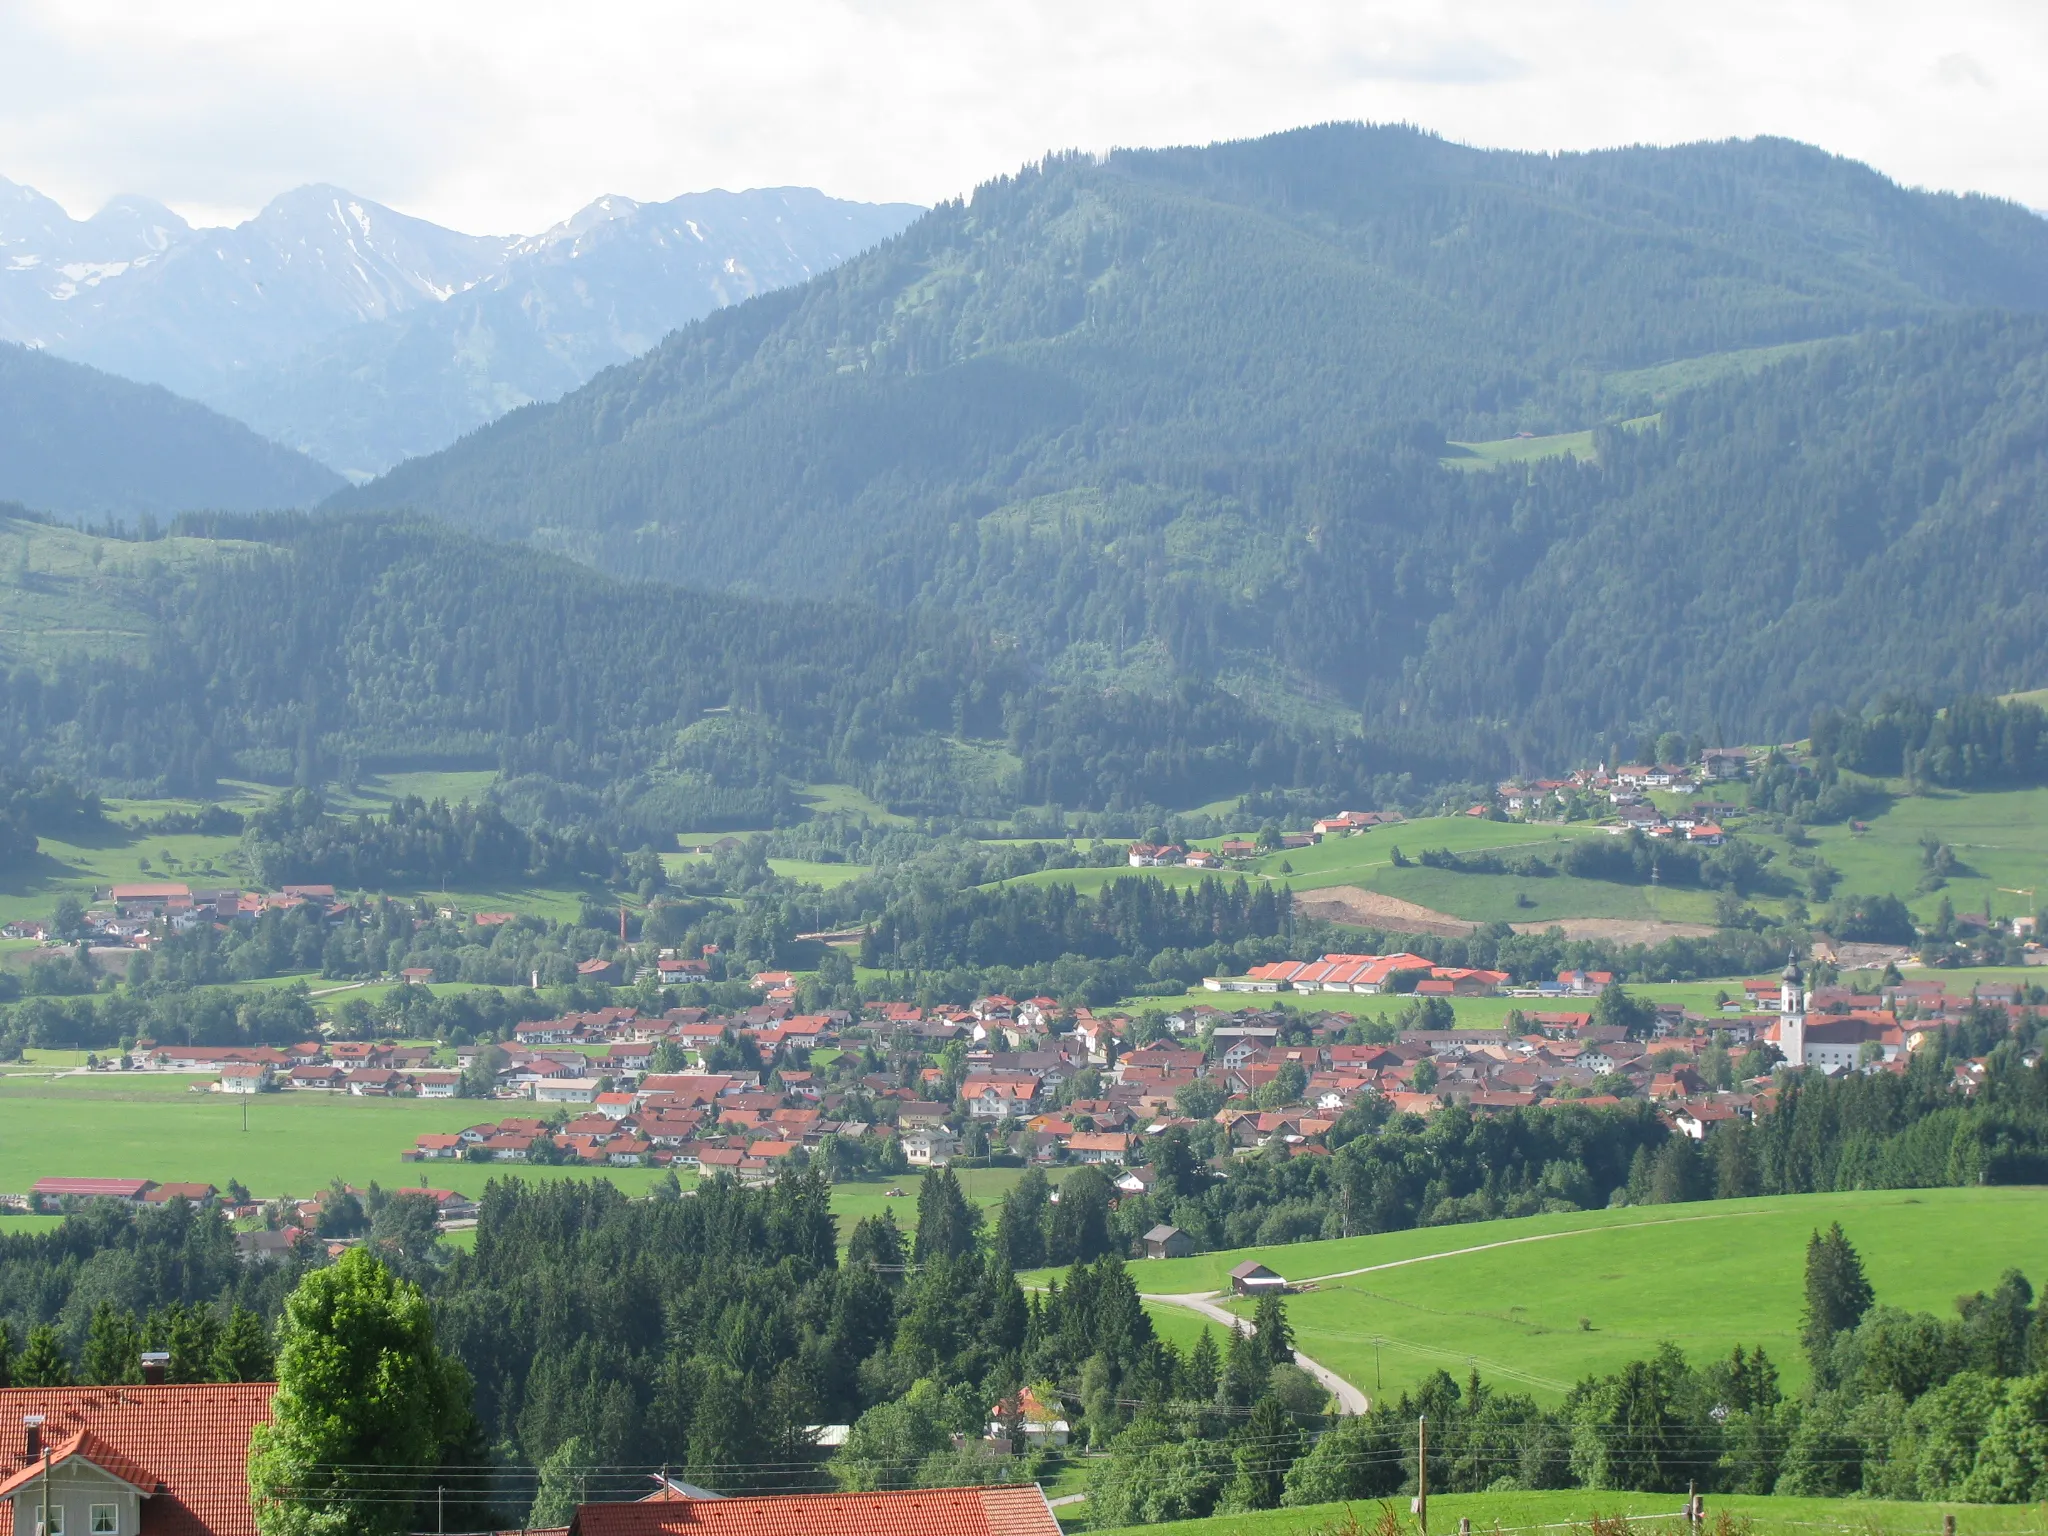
{"x":1252,"y":1278}
{"x":1000,"y":1511}
{"x":149,"y":1460}
{"x":1164,"y":1242}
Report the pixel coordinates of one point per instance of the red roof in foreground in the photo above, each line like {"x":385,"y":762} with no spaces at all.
{"x":187,"y":1447}
{"x":1018,"y":1511}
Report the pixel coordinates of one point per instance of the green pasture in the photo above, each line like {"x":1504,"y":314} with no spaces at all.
{"x":856,"y":1199}
{"x":1519,"y":450}
{"x":1542,"y":1301}
{"x":1575,"y":1509}
{"x":376,"y":791}
{"x":70,"y":593}
{"x":1664,"y":380}
{"x":2000,"y":839}
{"x":23,"y":1225}
{"x":152,"y":1126}
{"x":804,"y":871}
{"x":845,"y":800}
{"x":117,"y":855}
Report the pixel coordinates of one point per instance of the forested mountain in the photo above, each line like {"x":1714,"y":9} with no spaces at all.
{"x":305,"y":649}
{"x":1186,"y":412}
{"x":360,"y":336}
{"x":78,"y":441}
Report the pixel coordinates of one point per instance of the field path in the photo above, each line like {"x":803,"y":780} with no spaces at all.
{"x":1512,"y":1242}
{"x":1349,"y":1398}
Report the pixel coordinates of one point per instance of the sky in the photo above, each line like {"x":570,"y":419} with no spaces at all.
{"x":504,"y":118}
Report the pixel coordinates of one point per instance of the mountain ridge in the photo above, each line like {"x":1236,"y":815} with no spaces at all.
{"x":1221,"y":374}
{"x":320,"y":321}
{"x":80,"y":442}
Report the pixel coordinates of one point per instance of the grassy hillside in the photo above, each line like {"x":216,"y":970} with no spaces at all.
{"x":1543,"y":1301}
{"x":66,"y":593}
{"x":1575,"y":1510}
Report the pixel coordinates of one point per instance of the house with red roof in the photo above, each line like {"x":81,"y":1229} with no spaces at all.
{"x":131,"y":1461}
{"x":1003,"y":1511}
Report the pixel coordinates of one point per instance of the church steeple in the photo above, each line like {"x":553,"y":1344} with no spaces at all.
{"x":1792,"y":1013}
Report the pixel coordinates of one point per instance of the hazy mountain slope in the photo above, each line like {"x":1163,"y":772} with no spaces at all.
{"x":362,"y":336}
{"x":208,"y":304}
{"x":1201,"y":319}
{"x":598,"y":289}
{"x":78,"y":441}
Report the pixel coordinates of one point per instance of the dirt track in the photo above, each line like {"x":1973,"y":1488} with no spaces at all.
{"x":1369,"y":909}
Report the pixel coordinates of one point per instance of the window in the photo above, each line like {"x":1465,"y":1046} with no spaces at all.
{"x":55,"y":1527}
{"x":106,"y":1520}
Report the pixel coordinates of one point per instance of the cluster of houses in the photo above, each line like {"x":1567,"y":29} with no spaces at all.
{"x":1627,"y":790}
{"x":363,"y":1068}
{"x":1281,"y":1078}
{"x":137,"y":915}
{"x":1234,"y":849}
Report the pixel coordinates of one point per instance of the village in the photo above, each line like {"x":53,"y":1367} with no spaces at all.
{"x":1029,"y":1082}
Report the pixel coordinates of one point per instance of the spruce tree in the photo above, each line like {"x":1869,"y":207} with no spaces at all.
{"x":1837,"y":1294}
{"x":242,"y":1352}
{"x":42,"y":1362}
{"x":1204,"y":1370}
{"x":945,"y":1221}
{"x":1275,"y":1336}
{"x":113,"y":1347}
{"x":1268,"y":1445}
{"x":1245,"y":1369}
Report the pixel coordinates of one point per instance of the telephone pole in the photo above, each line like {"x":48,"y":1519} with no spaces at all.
{"x":1422,"y":1475}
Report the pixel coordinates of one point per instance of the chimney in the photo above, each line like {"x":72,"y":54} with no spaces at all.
{"x":156,"y":1365}
{"x":32,"y":1429}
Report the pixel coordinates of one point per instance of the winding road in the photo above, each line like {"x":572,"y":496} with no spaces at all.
{"x":1349,"y":1398}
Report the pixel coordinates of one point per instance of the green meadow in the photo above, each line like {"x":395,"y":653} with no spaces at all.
{"x":1575,"y":1510}
{"x":2000,"y":840}
{"x":1519,"y":450}
{"x":1543,"y":1301}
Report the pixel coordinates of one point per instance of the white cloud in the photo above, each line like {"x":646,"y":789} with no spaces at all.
{"x":504,"y":117}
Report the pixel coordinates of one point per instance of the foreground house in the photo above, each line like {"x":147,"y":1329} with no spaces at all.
{"x":131,"y":1461}
{"x":1014,"y":1511}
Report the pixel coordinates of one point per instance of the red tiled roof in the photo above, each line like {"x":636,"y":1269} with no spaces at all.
{"x":185,"y":1446}
{"x":1018,"y":1511}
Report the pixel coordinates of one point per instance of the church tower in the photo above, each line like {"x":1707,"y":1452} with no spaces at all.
{"x":1792,"y":1014}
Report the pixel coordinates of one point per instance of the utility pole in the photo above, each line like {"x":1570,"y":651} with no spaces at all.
{"x":1422,"y":1475}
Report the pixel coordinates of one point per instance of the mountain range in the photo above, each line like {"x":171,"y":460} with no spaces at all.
{"x":1308,"y":461}
{"x":361,"y":336}
{"x":1207,"y":413}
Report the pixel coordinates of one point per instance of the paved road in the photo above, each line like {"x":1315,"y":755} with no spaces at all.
{"x":1349,"y":1398}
